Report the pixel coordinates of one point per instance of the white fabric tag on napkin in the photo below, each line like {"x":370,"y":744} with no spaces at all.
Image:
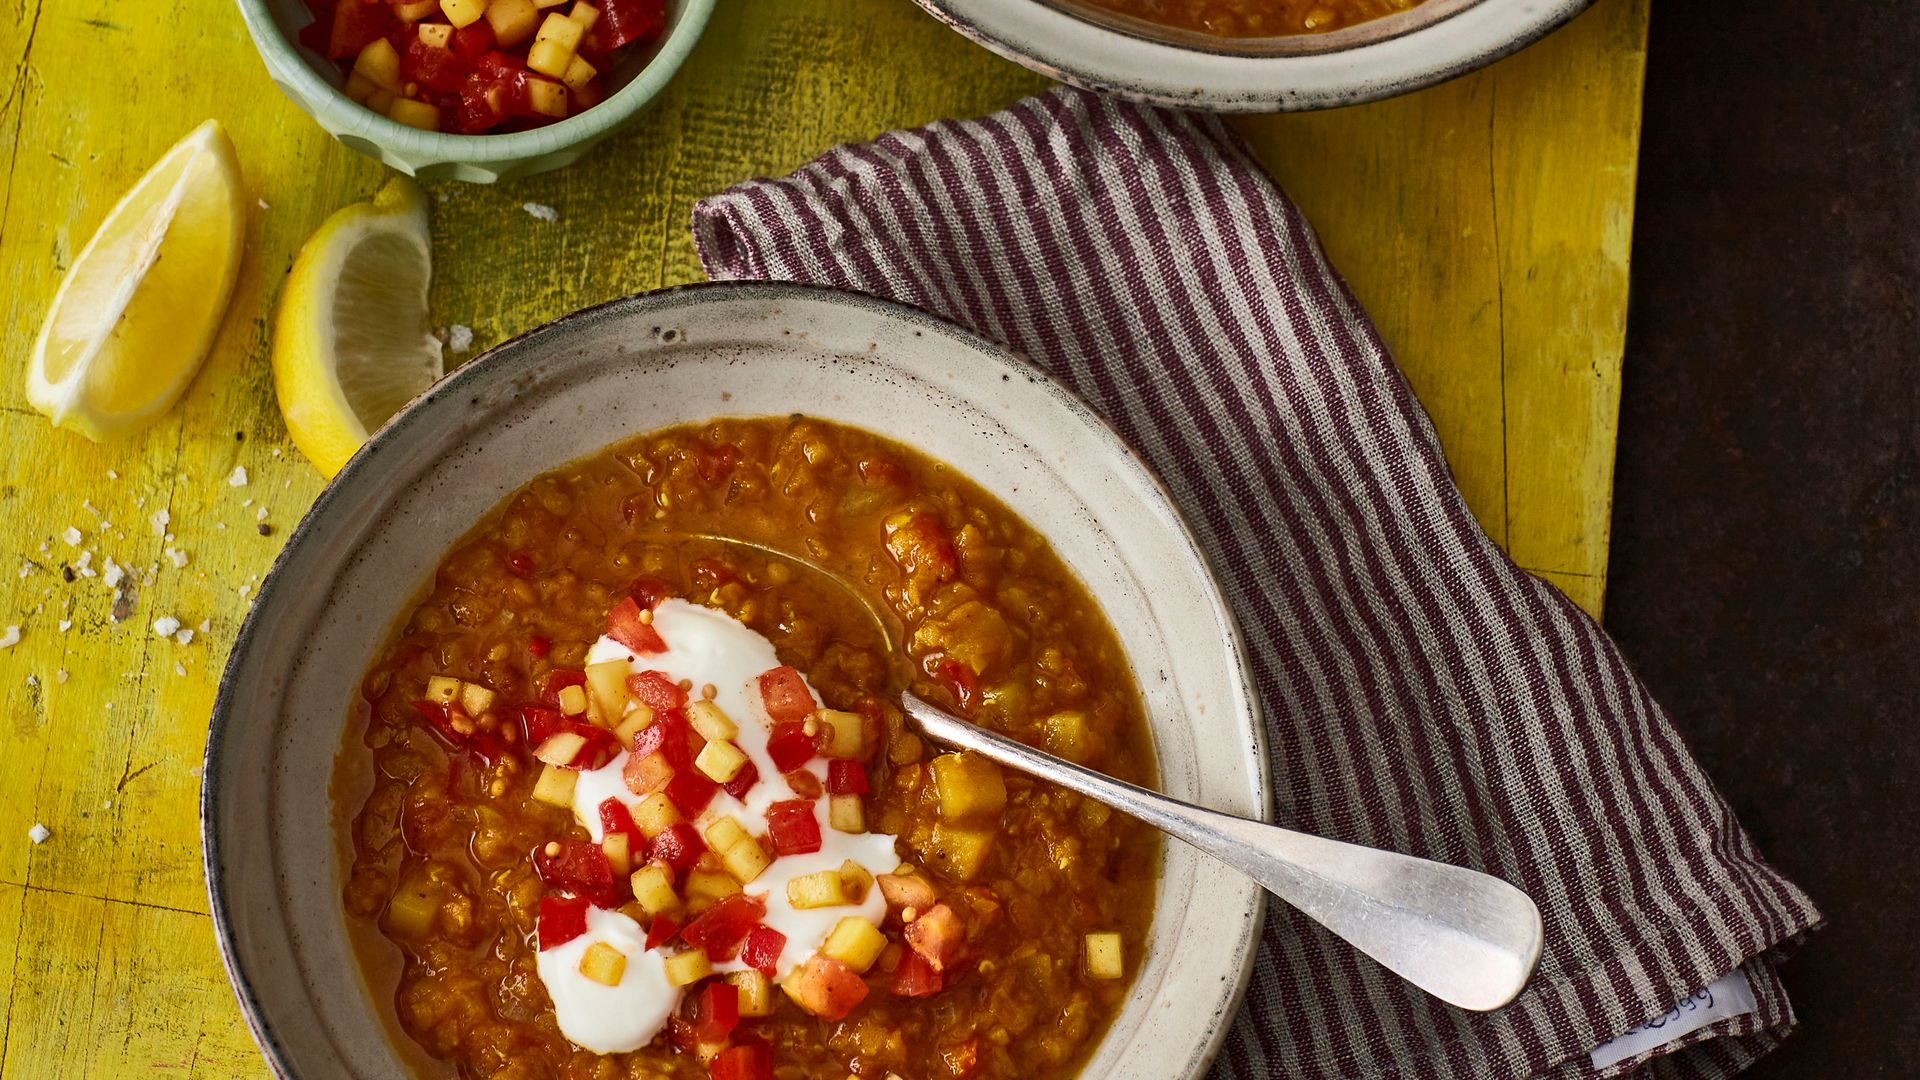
{"x":1729,"y":995}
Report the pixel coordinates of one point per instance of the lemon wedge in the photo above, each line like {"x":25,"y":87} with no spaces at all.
{"x":350,"y":339}
{"x":138,"y":309}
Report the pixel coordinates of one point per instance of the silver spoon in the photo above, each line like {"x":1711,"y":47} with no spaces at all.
{"x":1467,"y":938}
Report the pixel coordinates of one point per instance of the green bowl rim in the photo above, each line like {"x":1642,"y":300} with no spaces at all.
{"x":341,"y":115}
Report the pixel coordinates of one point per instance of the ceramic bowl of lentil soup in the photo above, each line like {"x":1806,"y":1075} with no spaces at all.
{"x":559,"y":742}
{"x":1254,"y":55}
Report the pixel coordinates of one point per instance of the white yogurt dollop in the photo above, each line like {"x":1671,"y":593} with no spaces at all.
{"x":609,"y":1019}
{"x":704,"y":647}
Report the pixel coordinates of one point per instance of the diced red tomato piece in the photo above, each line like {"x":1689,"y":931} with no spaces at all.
{"x":661,"y":930}
{"x":562,"y":918}
{"x":922,"y":547}
{"x":716,"y":1012}
{"x":356,"y":24}
{"x":907,"y":891}
{"x":748,"y":1060}
{"x":559,"y":679}
{"x":538,"y":647}
{"x":742,"y":781}
{"x":616,"y":818}
{"x":448,"y":721}
{"x":623,"y":22}
{"x":690,"y":791}
{"x":794,"y":829}
{"x":962,"y":1057}
{"x":790,"y":747}
{"x":785,"y":694}
{"x":915,"y":977}
{"x":825,"y":987}
{"x":679,"y":846}
{"x":538,"y":722}
{"x":938,"y":935}
{"x":626,"y":626}
{"x":473,"y":41}
{"x":519,"y":563}
{"x":648,"y":591}
{"x":724,"y":927}
{"x":657,"y":690}
{"x":581,"y":868}
{"x":959,"y":679}
{"x":669,"y":736}
{"x":715,"y":463}
{"x":762,"y":949}
{"x":846,"y":777}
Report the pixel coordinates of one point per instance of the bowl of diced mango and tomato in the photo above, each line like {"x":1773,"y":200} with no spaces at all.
{"x":478,"y":90}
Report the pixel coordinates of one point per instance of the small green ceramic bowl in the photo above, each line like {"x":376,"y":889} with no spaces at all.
{"x":314,"y":83}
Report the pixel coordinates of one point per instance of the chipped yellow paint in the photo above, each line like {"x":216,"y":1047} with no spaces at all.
{"x":1484,"y":223}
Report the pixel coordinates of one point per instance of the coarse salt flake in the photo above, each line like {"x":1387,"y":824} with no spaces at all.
{"x":66,"y":625}
{"x":541,"y":211}
{"x":177,"y":557}
{"x":72,"y":536}
{"x":166,"y":626}
{"x":112,"y":573}
{"x":238,"y":477}
{"x":159,"y":519}
{"x":184,"y":636}
{"x":39,"y":833}
{"x":60,"y":676}
{"x":9,"y":637}
{"x":459,"y":338}
{"x":179,"y":669}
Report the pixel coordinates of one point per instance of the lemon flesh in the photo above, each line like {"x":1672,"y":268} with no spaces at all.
{"x":138,"y":309}
{"x":351,"y":344}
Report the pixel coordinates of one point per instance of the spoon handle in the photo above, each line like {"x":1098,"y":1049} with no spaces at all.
{"x":1467,"y":938}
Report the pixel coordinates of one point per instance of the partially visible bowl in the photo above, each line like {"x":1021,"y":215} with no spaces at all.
{"x":652,"y":361}
{"x":314,"y":83}
{"x":1080,"y":43}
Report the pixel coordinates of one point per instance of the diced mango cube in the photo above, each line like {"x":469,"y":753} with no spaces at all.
{"x":547,"y":98}
{"x":825,"y":888}
{"x":618,"y":848}
{"x":653,"y":889}
{"x":578,"y":74}
{"x":655,"y":815}
{"x":636,"y":721}
{"x":725,"y":832}
{"x":745,"y":861}
{"x":557,"y":27}
{"x":603,"y":964}
{"x":463,"y":12}
{"x":848,"y":735}
{"x":573,"y":700}
{"x":1105,"y":958}
{"x":720,"y":760}
{"x":513,"y":21}
{"x":561,"y":747}
{"x":555,"y":786}
{"x":475,"y":699}
{"x":857,"y":879}
{"x":550,"y":58}
{"x":855,"y":942}
{"x":607,"y":682}
{"x":440,"y":688}
{"x":687,"y":968}
{"x":711,"y":721}
{"x":970,"y":788}
{"x":755,"y":993}
{"x":411,"y":911}
{"x":846,"y":813}
{"x":436,"y":35}
{"x":708,"y":887}
{"x":958,"y":851}
{"x":414,"y":10}
{"x":585,"y":14}
{"x":1068,"y":735}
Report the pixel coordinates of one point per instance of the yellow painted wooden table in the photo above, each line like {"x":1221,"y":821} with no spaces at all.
{"x":1484,"y":223}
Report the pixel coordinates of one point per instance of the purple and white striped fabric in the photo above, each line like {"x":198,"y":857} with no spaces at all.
{"x":1422,"y":692}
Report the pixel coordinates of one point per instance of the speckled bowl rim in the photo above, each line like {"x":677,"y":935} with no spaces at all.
{"x":367,"y":461}
{"x":1390,"y":56}
{"x":317,"y":96}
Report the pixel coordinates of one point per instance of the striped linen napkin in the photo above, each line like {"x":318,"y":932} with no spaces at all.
{"x":1422,"y":693}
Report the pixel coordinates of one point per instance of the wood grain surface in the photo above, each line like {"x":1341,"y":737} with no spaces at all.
{"x":1484,"y":223}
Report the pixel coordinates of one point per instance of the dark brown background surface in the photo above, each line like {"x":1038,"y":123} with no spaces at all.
{"x":1765,"y":564}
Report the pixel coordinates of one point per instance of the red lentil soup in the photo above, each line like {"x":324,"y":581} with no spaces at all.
{"x":1258,"y":18}
{"x":1017,"y":913}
